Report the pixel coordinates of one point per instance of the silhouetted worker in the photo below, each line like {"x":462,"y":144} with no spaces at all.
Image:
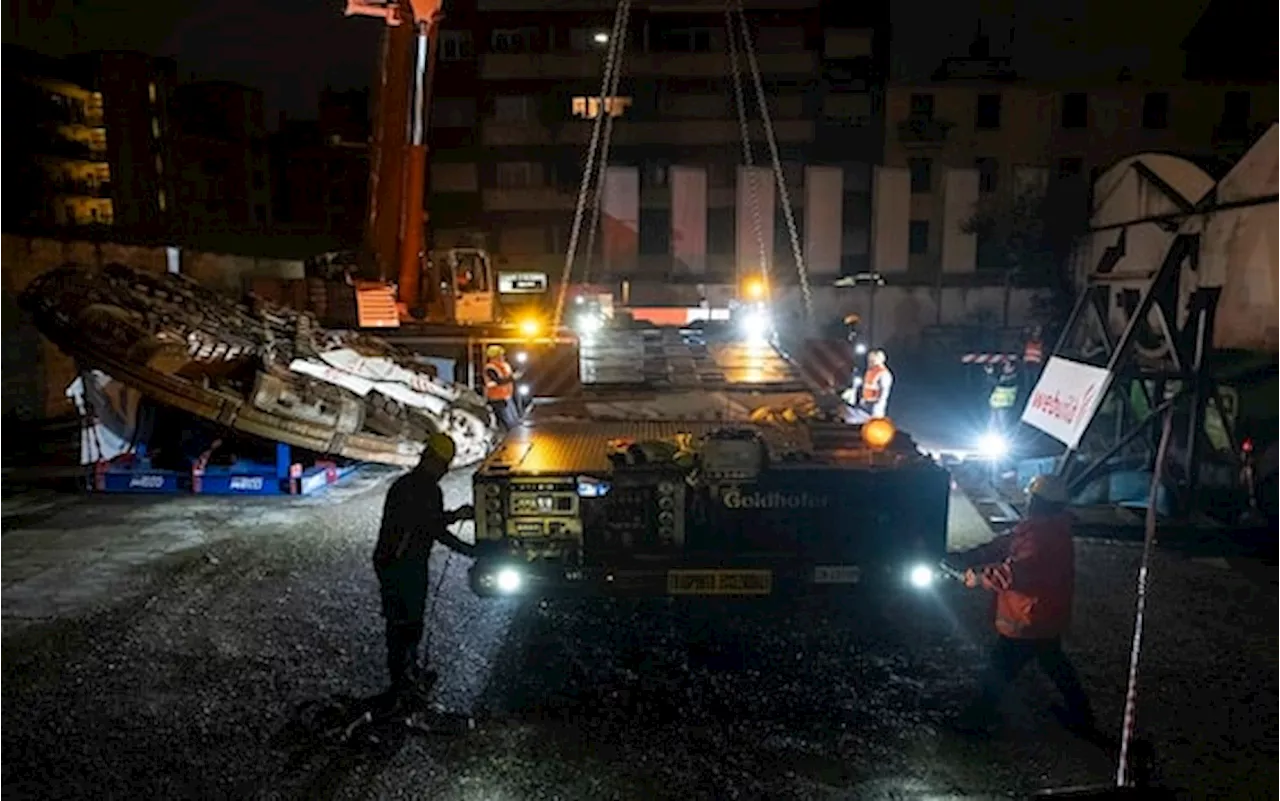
{"x":413,"y":519}
{"x":1032,"y":573}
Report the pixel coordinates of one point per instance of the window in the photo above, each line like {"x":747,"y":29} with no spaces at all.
{"x":1070,"y":167}
{"x":583,"y":40}
{"x":159,"y":165}
{"x":922,"y":106}
{"x":1075,"y":110}
{"x":1155,"y":110}
{"x":513,"y":109}
{"x":987,"y":113}
{"x":918,"y":234}
{"x":456,"y":46}
{"x":512,"y":40}
{"x":155,"y":127}
{"x":853,"y":108}
{"x":453,"y":112}
{"x":847,"y":42}
{"x":518,"y":175}
{"x":687,"y":40}
{"x":988,"y":175}
{"x":151,"y":91}
{"x":260,"y":213}
{"x":588,"y":108}
{"x":259,"y":180}
{"x":1235,"y":111}
{"x":921,"y":176}
{"x":160,"y":199}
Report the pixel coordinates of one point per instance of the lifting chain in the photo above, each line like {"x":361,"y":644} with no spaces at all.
{"x":748,"y":158}
{"x":593,"y":228}
{"x":783,"y":195}
{"x":611,"y":61}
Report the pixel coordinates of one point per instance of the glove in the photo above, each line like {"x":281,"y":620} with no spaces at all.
{"x":971,"y":579}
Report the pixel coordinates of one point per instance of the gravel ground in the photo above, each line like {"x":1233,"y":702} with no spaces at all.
{"x":188,"y":685}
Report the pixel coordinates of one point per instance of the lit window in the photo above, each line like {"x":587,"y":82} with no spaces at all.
{"x":155,"y":127}
{"x":589,"y":107}
{"x":160,"y":200}
{"x":159,"y":165}
{"x":151,"y":92}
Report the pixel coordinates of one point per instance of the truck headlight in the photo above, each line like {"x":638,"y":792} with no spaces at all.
{"x":921,"y":577}
{"x":508,"y":580}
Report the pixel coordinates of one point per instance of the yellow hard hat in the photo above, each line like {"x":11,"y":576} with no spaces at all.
{"x":494,"y":351}
{"x":1048,"y":488}
{"x":441,"y":446}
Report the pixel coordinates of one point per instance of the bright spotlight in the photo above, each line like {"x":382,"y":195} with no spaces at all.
{"x":521,"y":357}
{"x":508,"y":580}
{"x":577,"y":299}
{"x":921,"y":577}
{"x":993,"y":445}
{"x":530,"y":327}
{"x":756,"y":325}
{"x":860,"y":349}
{"x":600,"y":38}
{"x":524,"y":389}
{"x":589,"y":324}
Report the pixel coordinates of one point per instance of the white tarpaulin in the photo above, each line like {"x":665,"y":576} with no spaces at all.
{"x":110,"y":412}
{"x":1065,"y":398}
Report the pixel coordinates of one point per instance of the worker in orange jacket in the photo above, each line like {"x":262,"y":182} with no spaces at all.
{"x":1032,"y":573}
{"x":500,"y":385}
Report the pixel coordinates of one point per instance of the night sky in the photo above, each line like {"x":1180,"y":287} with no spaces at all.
{"x":293,"y":48}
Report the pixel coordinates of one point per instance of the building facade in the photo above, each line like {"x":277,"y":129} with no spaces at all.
{"x":221,"y":143}
{"x":516,"y":98}
{"x":953,"y":144}
{"x":89,"y":142}
{"x":320,"y":170}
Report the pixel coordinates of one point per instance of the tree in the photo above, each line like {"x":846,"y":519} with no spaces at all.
{"x":1028,"y":235}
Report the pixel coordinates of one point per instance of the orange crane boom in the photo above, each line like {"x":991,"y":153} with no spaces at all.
{"x":395,"y":226}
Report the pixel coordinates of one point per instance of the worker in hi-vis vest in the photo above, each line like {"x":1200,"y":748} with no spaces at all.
{"x":876,"y":385}
{"x":1003,"y":398}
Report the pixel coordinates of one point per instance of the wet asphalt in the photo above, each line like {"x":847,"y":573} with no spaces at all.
{"x":191,"y":679}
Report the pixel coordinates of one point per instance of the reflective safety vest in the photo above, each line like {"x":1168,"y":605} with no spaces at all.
{"x":1002,"y":397}
{"x":871,"y":389}
{"x":1033,"y":352}
{"x":499,"y":383}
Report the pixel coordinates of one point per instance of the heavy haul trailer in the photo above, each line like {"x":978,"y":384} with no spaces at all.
{"x":756,"y":509}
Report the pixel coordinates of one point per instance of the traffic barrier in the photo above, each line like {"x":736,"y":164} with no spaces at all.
{"x":988,"y":358}
{"x":827,"y":363}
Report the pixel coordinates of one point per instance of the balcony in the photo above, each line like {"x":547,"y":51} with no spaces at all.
{"x":577,"y":66}
{"x":101,"y":189}
{"x":684,"y":133}
{"x":923,"y":131}
{"x":537,"y":198}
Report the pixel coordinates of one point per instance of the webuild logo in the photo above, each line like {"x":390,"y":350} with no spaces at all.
{"x":1065,"y":408}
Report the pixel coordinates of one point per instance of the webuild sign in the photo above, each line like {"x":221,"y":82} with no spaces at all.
{"x":1065,"y":398}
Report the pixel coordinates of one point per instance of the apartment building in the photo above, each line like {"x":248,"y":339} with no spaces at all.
{"x":221,"y":144}
{"x":953,"y":142}
{"x":88,"y":141}
{"x":320,"y":169}
{"x":516,"y":97}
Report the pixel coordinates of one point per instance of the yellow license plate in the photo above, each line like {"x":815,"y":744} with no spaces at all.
{"x":719,"y":582}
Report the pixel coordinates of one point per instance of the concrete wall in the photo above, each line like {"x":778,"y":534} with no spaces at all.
{"x":35,"y":372}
